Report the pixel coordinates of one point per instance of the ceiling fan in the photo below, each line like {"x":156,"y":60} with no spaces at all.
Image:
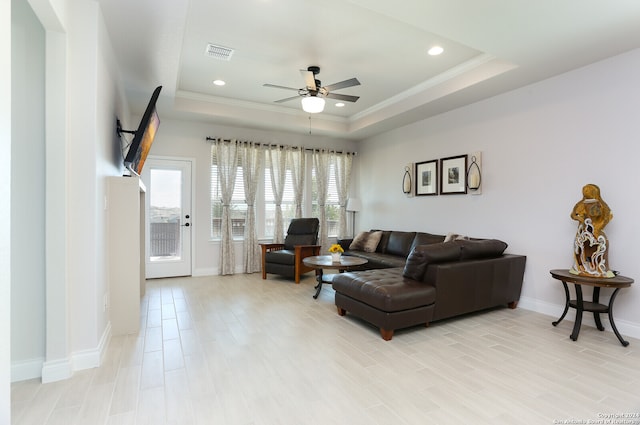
{"x":313,"y":93}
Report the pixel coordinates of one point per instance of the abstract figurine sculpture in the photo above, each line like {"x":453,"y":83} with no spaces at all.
{"x":590,"y":249}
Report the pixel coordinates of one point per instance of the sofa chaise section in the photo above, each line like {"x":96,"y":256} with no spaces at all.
{"x":438,"y":281}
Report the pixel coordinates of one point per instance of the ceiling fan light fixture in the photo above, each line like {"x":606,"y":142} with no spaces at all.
{"x":312,"y":104}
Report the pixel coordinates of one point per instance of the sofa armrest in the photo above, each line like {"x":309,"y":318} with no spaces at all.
{"x":301,"y":252}
{"x":471,"y":285}
{"x":268,"y":247}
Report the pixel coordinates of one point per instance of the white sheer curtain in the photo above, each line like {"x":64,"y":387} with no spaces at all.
{"x":252,"y":160}
{"x":226,"y":154}
{"x":343,"y":163}
{"x":322,"y":162}
{"x":297,"y":164}
{"x":278,"y":166}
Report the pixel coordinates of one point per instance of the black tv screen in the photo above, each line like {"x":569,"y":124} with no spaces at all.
{"x":144,"y":136}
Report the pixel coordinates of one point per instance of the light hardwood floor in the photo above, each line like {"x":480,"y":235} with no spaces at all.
{"x":242,"y":350}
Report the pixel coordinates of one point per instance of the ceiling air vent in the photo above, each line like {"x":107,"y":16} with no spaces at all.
{"x":218,"y":52}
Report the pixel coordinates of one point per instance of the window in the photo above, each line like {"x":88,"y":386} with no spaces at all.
{"x":265,"y":201}
{"x":238,"y":207}
{"x":332,"y":204}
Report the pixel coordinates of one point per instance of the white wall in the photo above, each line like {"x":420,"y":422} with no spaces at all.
{"x":5,"y":211}
{"x":187,"y":139}
{"x":27,"y":193}
{"x":110,"y":105}
{"x":94,"y":100}
{"x":82,"y":231}
{"x":540,"y":145}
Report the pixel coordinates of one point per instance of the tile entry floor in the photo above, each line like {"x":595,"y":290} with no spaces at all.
{"x":242,"y":350}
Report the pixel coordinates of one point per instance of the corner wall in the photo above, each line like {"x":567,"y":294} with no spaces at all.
{"x":540,"y":145}
{"x":83,"y":97}
{"x":27,"y":193}
{"x":5,"y":211}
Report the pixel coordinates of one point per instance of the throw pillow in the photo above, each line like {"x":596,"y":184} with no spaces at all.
{"x":416,"y":264}
{"x":357,"y":244}
{"x":455,"y":237}
{"x":423,"y":255}
{"x":366,"y":241}
{"x":372,"y":241}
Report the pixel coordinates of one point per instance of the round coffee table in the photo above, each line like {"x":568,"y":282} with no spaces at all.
{"x":320,"y":262}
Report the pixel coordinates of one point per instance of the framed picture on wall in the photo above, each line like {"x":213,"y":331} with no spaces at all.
{"x":454,"y":175}
{"x":427,"y":178}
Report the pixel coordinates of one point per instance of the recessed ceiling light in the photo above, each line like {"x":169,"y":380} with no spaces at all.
{"x":339,"y":105}
{"x":219,"y":82}
{"x":435,"y":50}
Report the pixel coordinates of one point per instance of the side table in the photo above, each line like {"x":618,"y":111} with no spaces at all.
{"x":617,"y":283}
{"x":319,"y":262}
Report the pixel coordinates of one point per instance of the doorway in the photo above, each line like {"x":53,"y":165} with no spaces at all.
{"x":168,"y":217}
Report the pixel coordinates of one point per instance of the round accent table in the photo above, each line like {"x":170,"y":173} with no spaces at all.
{"x":617,"y":283}
{"x":320,"y":262}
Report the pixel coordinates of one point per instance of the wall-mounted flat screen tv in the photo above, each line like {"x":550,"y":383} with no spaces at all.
{"x":144,"y":136}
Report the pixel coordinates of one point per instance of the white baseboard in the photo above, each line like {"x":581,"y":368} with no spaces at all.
{"x":26,"y":369}
{"x":554,"y":311}
{"x":87,"y":359}
{"x":204,"y":272}
{"x":214,"y":271}
{"x":550,"y":309}
{"x":57,"y":370}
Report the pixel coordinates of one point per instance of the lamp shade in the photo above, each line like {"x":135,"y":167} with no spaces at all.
{"x":354,"y":204}
{"x":312,"y":104}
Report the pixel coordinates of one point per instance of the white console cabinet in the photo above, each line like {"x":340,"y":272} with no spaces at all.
{"x":125,"y":205}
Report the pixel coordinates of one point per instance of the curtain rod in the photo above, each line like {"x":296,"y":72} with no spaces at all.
{"x":274,"y":145}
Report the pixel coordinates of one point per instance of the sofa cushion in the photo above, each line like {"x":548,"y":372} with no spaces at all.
{"x":291,"y":241}
{"x":384,"y":240}
{"x":423,"y":255}
{"x":482,"y":248}
{"x":283,"y":256}
{"x":378,"y":260}
{"x":302,"y":231}
{"x":400,"y":243}
{"x":384,"y":289}
{"x":366,"y":241}
{"x":425,"y":239}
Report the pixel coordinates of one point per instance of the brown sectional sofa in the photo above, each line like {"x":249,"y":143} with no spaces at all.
{"x":415,"y":278}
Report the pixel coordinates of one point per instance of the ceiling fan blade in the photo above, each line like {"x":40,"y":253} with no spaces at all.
{"x":343,"y":84}
{"x":309,"y":79}
{"x":287,"y":99}
{"x":344,"y":97}
{"x":274,"y":86}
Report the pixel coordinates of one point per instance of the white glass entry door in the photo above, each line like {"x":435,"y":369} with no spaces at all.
{"x":168,"y":217}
